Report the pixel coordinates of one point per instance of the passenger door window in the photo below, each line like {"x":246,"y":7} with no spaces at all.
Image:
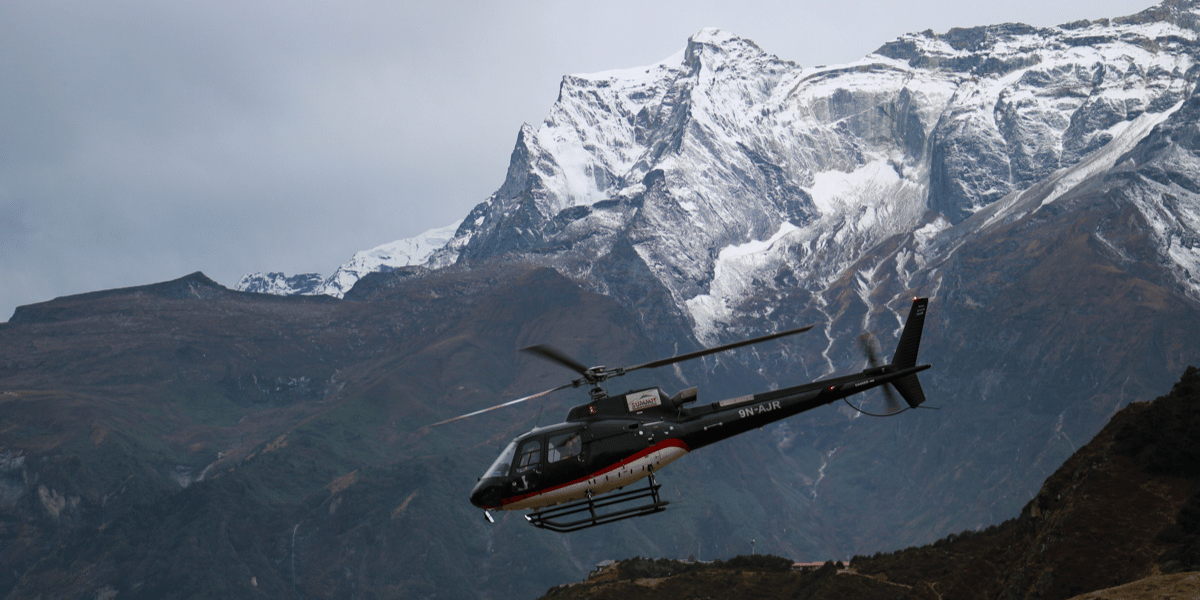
{"x":563,"y":446}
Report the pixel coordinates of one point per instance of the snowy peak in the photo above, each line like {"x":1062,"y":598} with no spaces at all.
{"x":280,"y":284}
{"x":415,"y":251}
{"x":608,"y":130}
{"x":713,"y":50}
{"x":408,"y":252}
{"x":715,"y":37}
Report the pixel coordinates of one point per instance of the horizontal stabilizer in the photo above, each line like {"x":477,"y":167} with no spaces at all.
{"x":910,"y":389}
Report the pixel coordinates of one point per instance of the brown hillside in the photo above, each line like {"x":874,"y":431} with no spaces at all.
{"x":760,"y":577}
{"x":1125,"y":508}
{"x":1122,"y":508}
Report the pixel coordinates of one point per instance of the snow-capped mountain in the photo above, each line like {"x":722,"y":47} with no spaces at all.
{"x":414,"y":251}
{"x":281,"y":284}
{"x":723,"y":166}
{"x":724,"y":170}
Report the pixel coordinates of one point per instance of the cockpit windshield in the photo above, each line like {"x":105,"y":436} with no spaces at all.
{"x":500,"y":467}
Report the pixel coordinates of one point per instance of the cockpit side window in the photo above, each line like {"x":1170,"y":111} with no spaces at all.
{"x":530,"y":455}
{"x":563,"y":446}
{"x":502,"y":463}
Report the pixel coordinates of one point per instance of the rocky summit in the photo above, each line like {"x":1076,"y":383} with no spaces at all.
{"x":1039,"y":185}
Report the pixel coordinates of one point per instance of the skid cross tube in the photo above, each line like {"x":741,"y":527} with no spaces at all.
{"x":552,"y":518}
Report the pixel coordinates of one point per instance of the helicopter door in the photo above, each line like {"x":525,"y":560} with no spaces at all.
{"x":565,"y":446}
{"x":565,"y":458}
{"x":527,"y":469}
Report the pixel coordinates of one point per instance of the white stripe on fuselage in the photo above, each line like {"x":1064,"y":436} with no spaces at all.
{"x":605,"y":481}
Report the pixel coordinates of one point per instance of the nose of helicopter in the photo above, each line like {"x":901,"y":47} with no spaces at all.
{"x":486,"y":494}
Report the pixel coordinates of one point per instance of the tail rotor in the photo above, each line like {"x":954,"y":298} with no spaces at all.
{"x":870,"y":348}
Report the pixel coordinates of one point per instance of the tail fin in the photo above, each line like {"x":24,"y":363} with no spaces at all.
{"x":906,"y":354}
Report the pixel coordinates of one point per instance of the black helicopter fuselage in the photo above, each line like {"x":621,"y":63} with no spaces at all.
{"x":615,"y":441}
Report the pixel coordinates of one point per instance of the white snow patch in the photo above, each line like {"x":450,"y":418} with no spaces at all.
{"x":732,"y":253}
{"x":733,"y":272}
{"x":833,"y":191}
{"x":930,"y":231}
{"x":633,"y":190}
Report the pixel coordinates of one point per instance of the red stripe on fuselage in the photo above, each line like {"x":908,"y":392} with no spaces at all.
{"x":659,"y":446}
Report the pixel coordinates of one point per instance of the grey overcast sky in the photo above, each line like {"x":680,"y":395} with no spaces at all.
{"x":143,"y":140}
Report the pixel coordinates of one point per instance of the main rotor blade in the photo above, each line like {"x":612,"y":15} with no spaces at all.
{"x":715,"y":349}
{"x":557,"y":356}
{"x":509,"y":403}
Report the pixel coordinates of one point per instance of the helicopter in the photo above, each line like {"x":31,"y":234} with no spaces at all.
{"x":573,"y":475}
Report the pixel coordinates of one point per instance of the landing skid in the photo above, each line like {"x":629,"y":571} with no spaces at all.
{"x":552,"y":518}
